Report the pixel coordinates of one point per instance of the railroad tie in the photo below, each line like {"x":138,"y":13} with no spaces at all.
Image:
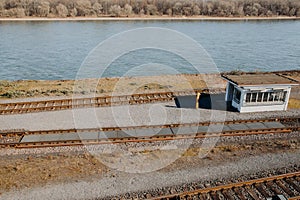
{"x":291,"y":183}
{"x":284,"y":188}
{"x":251,"y":192}
{"x":214,"y":195}
{"x":262,"y":190}
{"x":227,"y":195}
{"x":239,"y":193}
{"x":274,"y":189}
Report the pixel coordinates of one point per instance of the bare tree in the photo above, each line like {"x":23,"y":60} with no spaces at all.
{"x":253,"y":10}
{"x":142,"y":12}
{"x":106,"y":4}
{"x":115,"y":11}
{"x":187,"y":11}
{"x":84,"y":7}
{"x":16,"y":12}
{"x":43,"y":9}
{"x":151,"y":9}
{"x":72,"y":12}
{"x":208,"y":8}
{"x":165,"y":7}
{"x":196,"y":10}
{"x":169,"y":12}
{"x":72,"y":8}
{"x":298,"y":13}
{"x":62,"y":10}
{"x":127,"y":10}
{"x":26,"y":5}
{"x":177,"y":8}
{"x":2,"y":9}
{"x":239,"y":10}
{"x":97,"y":8}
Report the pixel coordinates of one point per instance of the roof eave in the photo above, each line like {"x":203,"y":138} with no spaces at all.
{"x":277,"y":84}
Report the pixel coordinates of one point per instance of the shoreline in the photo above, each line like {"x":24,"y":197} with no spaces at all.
{"x":154,"y":18}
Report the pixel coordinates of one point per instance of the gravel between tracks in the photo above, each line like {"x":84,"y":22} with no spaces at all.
{"x":134,"y":115}
{"x":121,"y":183}
{"x":145,"y":146}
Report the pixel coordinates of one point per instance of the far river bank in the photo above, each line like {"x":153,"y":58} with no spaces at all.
{"x":136,"y":18}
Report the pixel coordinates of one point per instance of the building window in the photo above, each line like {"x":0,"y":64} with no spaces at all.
{"x":237,"y":95}
{"x":276,"y":96}
{"x":282,"y":96}
{"x":248,"y":97}
{"x":266,"y":97}
{"x":271,"y":96}
{"x":259,"y":97}
{"x":253,"y":97}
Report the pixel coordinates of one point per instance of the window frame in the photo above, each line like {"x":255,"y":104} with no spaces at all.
{"x":237,"y":93}
{"x":265,"y":98}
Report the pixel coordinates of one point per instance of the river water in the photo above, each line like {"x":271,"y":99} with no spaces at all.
{"x":56,"y":49}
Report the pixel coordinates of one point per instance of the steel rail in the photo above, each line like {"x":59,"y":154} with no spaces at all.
{"x":177,"y":136}
{"x":21,"y":132}
{"x":229,"y":187}
{"x":294,"y":198}
{"x":145,"y":139}
{"x":87,"y":102}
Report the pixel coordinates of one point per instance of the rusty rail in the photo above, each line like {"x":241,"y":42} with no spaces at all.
{"x":144,"y":139}
{"x":21,"y":132}
{"x":253,"y":188}
{"x":177,"y":136}
{"x":63,"y":104}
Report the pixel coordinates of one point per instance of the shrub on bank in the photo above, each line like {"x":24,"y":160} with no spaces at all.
{"x":126,"y":8}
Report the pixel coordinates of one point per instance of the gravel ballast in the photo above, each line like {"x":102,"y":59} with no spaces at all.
{"x":133,"y":115}
{"x":121,"y":183}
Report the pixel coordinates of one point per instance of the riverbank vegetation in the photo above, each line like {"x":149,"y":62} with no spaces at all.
{"x":136,"y":8}
{"x":103,"y":86}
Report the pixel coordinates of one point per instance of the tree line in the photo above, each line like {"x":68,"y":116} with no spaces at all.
{"x":127,"y":8}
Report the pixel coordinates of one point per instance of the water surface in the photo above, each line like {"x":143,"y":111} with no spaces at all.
{"x":56,"y":49}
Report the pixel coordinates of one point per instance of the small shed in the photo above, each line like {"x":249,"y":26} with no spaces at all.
{"x":258,"y":92}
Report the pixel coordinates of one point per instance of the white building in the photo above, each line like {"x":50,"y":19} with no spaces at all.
{"x":258,"y":92}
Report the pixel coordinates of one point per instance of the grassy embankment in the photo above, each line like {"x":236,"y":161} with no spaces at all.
{"x":105,"y":86}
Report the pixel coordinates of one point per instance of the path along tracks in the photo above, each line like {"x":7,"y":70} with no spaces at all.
{"x":108,"y":135}
{"x":287,"y":185}
{"x":63,"y":104}
{"x":14,"y":138}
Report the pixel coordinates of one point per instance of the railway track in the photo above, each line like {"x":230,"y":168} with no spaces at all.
{"x":20,"y":132}
{"x":287,"y":185}
{"x":115,"y":134}
{"x":137,"y":139}
{"x":63,"y":104}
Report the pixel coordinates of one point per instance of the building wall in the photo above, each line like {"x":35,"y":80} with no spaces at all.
{"x":261,"y":108}
{"x":242,"y":106}
{"x":287,"y":98}
{"x":229,"y":92}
